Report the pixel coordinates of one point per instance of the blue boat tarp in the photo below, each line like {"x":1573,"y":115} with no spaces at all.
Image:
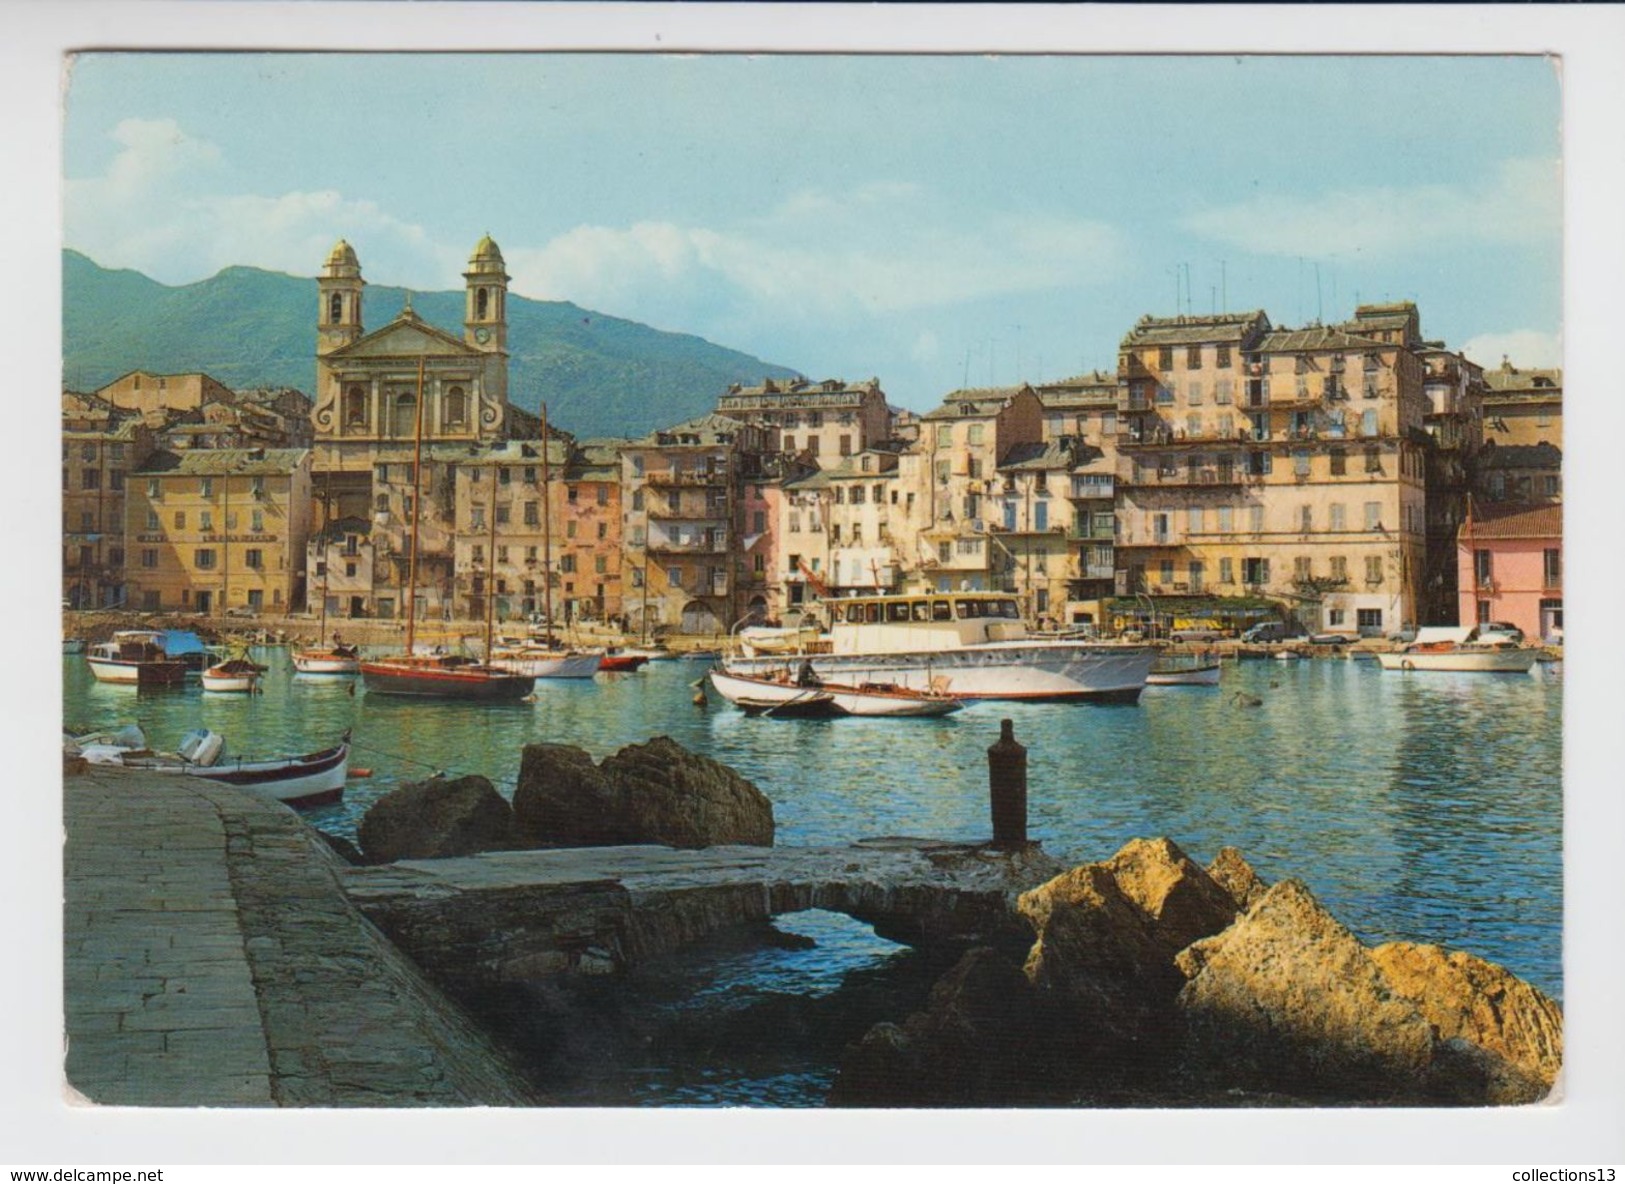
{"x":183,"y":641}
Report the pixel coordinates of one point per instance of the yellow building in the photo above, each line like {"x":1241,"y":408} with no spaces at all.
{"x":1286,"y":464}
{"x":213,"y":532}
{"x":100,"y":447}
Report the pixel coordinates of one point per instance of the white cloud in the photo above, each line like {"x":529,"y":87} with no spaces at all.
{"x":1524,"y":348}
{"x":158,"y":209}
{"x":1521,"y":202}
{"x":878,"y":249}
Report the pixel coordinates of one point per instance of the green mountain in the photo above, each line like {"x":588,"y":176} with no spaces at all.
{"x":601,"y":375}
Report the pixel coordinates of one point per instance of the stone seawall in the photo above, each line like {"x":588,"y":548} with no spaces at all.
{"x":211,"y":959}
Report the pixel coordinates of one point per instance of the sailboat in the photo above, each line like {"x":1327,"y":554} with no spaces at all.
{"x":439,"y":676}
{"x":336,"y":658}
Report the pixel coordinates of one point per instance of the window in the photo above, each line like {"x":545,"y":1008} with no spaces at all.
{"x":504,"y":513}
{"x":567,"y":562}
{"x":1227,"y":571}
{"x":1368,"y":620}
{"x":674,"y":576}
{"x":1165,"y":358}
{"x":1554,"y":567}
{"x":1193,"y":357}
{"x":350,"y":570}
{"x":570,"y":529}
{"x":1338,"y":517}
{"x":256,"y":521}
{"x":254,"y":557}
{"x":1300,"y":462}
{"x":857,"y":495}
{"x":1041,"y":516}
{"x":1549,"y":485}
{"x":1255,"y":519}
{"x":974,"y":470}
{"x":1483,"y":567}
{"x":795,"y":523}
{"x":1193,"y":424}
{"x":1223,"y":356}
{"x":152,"y":520}
{"x":203,"y":558}
{"x":1193,"y":520}
{"x":1373,"y":515}
{"x":1301,"y":569}
{"x":1306,"y":519}
{"x":1227,"y":425}
{"x":205,"y":520}
{"x":1221,"y":392}
{"x":476,"y":518}
{"x":945,"y":435}
{"x":456,"y":407}
{"x":1340,"y":568}
{"x":945,"y":553}
{"x":846,"y":445}
{"x":1373,"y":569}
{"x":1164,"y":394}
{"x":1165,"y":572}
{"x":149,"y":557}
{"x":1226,"y":524}
{"x":380,"y":504}
{"x":1368,"y":422}
{"x":180,"y":519}
{"x":502,"y":553}
{"x":532,"y":516}
{"x":812,"y":445}
{"x":1340,"y":462}
{"x":1255,"y":571}
{"x":87,"y":523}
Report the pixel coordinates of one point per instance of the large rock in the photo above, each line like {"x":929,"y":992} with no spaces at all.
{"x":438,"y":818}
{"x":658,"y":792}
{"x":1289,"y":1000}
{"x":1179,"y":900}
{"x":1469,"y":999}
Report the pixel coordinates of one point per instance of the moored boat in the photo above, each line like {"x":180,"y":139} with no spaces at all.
{"x":866,"y":699}
{"x":541,"y":661}
{"x":135,"y":657}
{"x":1204,"y":674}
{"x":73,"y":645}
{"x":444,"y":676}
{"x":335,"y":659}
{"x":1456,"y":649}
{"x":234,"y":675}
{"x":970,"y":645}
{"x":313,"y":779}
{"x":619,"y":661}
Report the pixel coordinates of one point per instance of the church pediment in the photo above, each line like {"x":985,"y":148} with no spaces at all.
{"x":404,"y":338}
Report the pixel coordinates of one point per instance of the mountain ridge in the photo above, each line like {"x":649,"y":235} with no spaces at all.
{"x":601,"y":375}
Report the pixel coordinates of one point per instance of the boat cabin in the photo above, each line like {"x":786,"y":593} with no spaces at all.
{"x":929,"y":621}
{"x":133,"y":645}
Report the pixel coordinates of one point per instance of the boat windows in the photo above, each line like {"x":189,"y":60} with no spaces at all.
{"x":940,"y":611}
{"x":920,"y":610}
{"x":897,"y":611}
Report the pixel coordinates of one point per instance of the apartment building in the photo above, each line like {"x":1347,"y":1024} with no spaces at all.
{"x":1511,"y":559}
{"x":1281,"y":463}
{"x":218,"y":531}
{"x":864,"y":500}
{"x":100,"y":448}
{"x":953,"y":475}
{"x":680,"y":489}
{"x":823,"y":421}
{"x":1454,"y":421}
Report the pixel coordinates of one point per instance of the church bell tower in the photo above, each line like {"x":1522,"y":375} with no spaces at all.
{"x":338,"y":286}
{"x":485,"y":314}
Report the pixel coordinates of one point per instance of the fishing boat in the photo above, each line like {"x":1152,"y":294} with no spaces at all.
{"x":135,"y":657}
{"x":438,"y":675}
{"x":970,"y":645}
{"x":615,"y":661}
{"x":870,"y":699}
{"x":772,"y":697}
{"x":236,"y":675}
{"x":313,"y":779}
{"x":1457,"y":649}
{"x":1168,"y":674}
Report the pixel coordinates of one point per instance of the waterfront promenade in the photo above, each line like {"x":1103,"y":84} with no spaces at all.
{"x":212,"y":960}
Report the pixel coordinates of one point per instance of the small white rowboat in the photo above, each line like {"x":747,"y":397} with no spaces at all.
{"x":1206,"y":675}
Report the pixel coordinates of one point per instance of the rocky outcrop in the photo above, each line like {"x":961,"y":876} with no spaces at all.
{"x":437,"y":818}
{"x":658,"y":792}
{"x":1231,"y":871}
{"x":1153,"y":980}
{"x":1468,"y":999}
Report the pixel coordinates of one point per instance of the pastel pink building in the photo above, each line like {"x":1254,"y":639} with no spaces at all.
{"x":1510,"y":567}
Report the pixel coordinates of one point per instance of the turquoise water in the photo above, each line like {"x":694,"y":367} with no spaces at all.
{"x":1425,"y":807}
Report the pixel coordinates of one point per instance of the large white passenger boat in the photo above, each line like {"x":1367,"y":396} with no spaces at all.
{"x":971,"y":645}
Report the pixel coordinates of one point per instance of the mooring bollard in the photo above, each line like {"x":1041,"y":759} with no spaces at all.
{"x":1007,"y":787}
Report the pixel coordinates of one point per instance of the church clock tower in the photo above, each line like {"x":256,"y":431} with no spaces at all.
{"x":485,"y":315}
{"x":338,"y":285}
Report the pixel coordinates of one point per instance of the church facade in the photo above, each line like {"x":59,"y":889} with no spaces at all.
{"x":378,"y":394}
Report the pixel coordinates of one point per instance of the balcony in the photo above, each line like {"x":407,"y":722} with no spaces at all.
{"x":1097,"y":532}
{"x":1216,"y":478}
{"x":1090,"y":490}
{"x":687,"y":513}
{"x":660,"y":546}
{"x":687,"y":478}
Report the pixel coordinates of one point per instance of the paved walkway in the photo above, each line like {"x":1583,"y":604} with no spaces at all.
{"x":211,"y":960}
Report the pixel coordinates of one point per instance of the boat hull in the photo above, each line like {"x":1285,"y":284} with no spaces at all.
{"x":145,"y":674}
{"x":316,"y":779}
{"x":1195,"y":676}
{"x":470,"y":683}
{"x":999,"y":670}
{"x":866,"y":701}
{"x":551,"y":665}
{"x":239,"y":684}
{"x":307,"y":662}
{"x":1507,"y":661}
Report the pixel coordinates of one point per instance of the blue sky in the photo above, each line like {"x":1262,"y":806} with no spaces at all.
{"x":927,"y":220}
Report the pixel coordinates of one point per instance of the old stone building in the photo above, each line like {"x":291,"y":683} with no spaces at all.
{"x":101,"y":446}
{"x":1522,"y":457}
{"x":216,"y":531}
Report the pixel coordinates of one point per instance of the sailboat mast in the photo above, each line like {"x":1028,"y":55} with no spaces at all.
{"x":417,"y":513}
{"x":547,"y":533}
{"x":491,"y":572}
{"x":321,"y":538}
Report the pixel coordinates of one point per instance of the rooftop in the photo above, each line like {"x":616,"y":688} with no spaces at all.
{"x":975,"y":402}
{"x":1196,"y":330}
{"x":1507,"y":378}
{"x":1514,"y":522}
{"x":1522,"y":456}
{"x":1314,"y":337}
{"x":205,"y":462}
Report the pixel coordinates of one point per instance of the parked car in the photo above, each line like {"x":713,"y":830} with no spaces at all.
{"x":1273,"y":631}
{"x":1196,"y":633}
{"x":1499,"y":631}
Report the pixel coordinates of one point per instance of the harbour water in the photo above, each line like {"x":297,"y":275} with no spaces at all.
{"x":1425,"y":806}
